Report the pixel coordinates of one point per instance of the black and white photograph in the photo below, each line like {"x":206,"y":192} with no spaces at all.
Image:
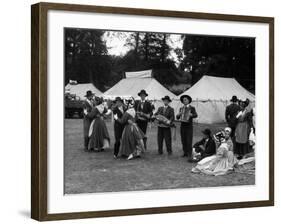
{"x":153,"y":111}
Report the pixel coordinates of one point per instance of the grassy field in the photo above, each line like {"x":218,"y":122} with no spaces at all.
{"x":88,"y":172}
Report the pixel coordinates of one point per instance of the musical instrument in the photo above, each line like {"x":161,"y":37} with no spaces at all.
{"x":185,"y":115}
{"x":163,"y":120}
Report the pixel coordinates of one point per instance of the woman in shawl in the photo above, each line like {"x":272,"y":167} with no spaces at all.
{"x":242,"y":131}
{"x":132,"y":138}
{"x":98,"y":133}
{"x":220,"y":163}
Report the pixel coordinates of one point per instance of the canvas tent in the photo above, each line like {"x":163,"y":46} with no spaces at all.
{"x":136,"y":81}
{"x":81,"y":89}
{"x":211,"y":95}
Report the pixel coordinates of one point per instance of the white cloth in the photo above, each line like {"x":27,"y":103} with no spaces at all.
{"x":132,"y":112}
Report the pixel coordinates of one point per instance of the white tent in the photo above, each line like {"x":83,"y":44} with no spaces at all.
{"x":81,"y":89}
{"x":136,"y":81}
{"x":211,"y":95}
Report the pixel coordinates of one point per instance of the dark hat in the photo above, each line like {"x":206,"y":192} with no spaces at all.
{"x":186,"y":96}
{"x":234,"y":99}
{"x":207,"y":131}
{"x":142,"y":92}
{"x":89,"y":93}
{"x":118,"y":99}
{"x":167,"y":98}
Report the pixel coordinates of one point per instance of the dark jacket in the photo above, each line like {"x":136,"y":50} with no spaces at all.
{"x":230,"y":114}
{"x":119,"y":113}
{"x":118,"y":126}
{"x":145,"y":108}
{"x":210,"y":146}
{"x":168,"y":113}
{"x":193,"y":115}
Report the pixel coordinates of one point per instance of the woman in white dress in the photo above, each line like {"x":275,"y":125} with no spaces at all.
{"x":220,"y":163}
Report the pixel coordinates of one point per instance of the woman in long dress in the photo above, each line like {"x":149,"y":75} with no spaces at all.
{"x":132,"y":138}
{"x":242,"y":131}
{"x":98,"y":133}
{"x":219,"y":164}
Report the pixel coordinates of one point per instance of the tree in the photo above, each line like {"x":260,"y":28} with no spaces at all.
{"x":86,"y":56}
{"x":220,"y":56}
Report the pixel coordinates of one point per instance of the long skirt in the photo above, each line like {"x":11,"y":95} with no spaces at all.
{"x":132,"y":140}
{"x":99,"y":136}
{"x":216,"y":165}
{"x":242,"y":149}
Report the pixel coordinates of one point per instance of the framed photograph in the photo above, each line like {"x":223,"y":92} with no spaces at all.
{"x":139,"y":111}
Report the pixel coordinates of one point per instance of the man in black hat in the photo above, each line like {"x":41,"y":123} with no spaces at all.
{"x":185,"y":116}
{"x":143,"y":113}
{"x":206,"y":146}
{"x":118,"y":110}
{"x":230,"y":114}
{"x":88,"y":106}
{"x":165,"y":116}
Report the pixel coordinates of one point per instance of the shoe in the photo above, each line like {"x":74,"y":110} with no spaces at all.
{"x":114,"y":156}
{"x":184,"y":155}
{"x":170,"y":153}
{"x":160,"y":153}
{"x":130,"y":157}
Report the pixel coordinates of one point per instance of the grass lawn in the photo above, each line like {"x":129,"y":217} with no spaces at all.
{"x":88,"y":172}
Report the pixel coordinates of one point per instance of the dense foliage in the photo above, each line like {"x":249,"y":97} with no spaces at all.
{"x":87,"y":58}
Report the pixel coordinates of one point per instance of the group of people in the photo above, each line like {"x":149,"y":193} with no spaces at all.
{"x":214,"y":153}
{"x":230,"y":148}
{"x":131,"y":120}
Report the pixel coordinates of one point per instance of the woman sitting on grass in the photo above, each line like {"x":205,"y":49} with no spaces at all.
{"x":220,"y":163}
{"x":132,"y":138}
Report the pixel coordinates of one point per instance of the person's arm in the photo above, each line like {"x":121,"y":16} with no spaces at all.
{"x":201,"y":142}
{"x":124,"y":119}
{"x":194,"y":113}
{"x":179,"y":114}
{"x":226,"y":114}
{"x":93,"y":114}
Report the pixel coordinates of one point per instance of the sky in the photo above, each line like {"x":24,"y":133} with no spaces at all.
{"x":116,"y":43}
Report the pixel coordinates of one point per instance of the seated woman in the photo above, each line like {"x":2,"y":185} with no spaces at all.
{"x":132,"y":138}
{"x":220,"y":163}
{"x":98,"y":133}
{"x":205,"y":147}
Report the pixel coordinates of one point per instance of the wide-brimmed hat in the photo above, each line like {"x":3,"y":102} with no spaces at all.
{"x":143,"y":92}
{"x":89,"y":93}
{"x":186,"y":96}
{"x":118,"y":98}
{"x":167,"y":98}
{"x":234,"y":99}
{"x":207,"y":131}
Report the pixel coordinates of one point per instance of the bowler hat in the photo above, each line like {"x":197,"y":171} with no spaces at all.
{"x":234,"y":99}
{"x":89,"y":93}
{"x":186,"y":96}
{"x":143,"y":92}
{"x":167,"y":98}
{"x":207,"y":131}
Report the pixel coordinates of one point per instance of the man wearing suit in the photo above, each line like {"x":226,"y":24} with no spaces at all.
{"x":230,"y":114}
{"x":143,"y":113}
{"x":118,"y":111}
{"x":186,"y":115}
{"x":206,"y":146}
{"x":164,"y":125}
{"x":88,"y":106}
